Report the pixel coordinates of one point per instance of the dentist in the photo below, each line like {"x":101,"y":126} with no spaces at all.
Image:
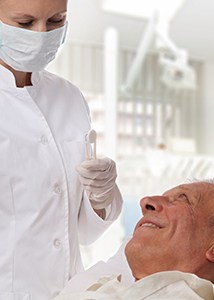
{"x":51,"y":200}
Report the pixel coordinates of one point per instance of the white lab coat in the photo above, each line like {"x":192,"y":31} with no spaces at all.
{"x":42,"y":215}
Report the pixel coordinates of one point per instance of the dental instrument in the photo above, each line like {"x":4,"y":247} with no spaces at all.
{"x":90,"y":146}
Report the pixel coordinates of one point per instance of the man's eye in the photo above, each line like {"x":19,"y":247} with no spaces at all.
{"x":184,"y":196}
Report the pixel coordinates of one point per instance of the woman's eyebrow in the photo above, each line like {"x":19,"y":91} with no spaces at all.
{"x":60,"y":13}
{"x":21,"y":15}
{"x":18,"y":15}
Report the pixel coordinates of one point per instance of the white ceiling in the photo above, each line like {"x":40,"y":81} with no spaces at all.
{"x":190,"y":29}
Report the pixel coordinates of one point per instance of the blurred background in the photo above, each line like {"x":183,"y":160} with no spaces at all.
{"x":146,"y":69}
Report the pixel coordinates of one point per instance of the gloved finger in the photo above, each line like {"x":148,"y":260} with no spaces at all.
{"x":100,"y":183}
{"x":99,"y":188}
{"x":99,"y":191}
{"x":102,"y":202}
{"x":100,"y":164}
{"x":98,"y":174}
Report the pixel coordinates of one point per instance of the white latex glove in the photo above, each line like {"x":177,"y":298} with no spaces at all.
{"x":98,"y":178}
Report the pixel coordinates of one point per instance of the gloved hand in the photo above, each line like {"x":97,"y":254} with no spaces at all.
{"x":98,"y":178}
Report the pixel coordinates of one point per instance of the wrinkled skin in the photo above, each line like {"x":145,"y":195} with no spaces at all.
{"x":175,"y":233}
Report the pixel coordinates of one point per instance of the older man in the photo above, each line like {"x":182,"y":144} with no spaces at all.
{"x":171,"y":253}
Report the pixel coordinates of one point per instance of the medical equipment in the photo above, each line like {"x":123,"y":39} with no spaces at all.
{"x":90,"y":146}
{"x":176,"y":71}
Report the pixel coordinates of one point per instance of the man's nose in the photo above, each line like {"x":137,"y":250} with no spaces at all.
{"x":152,"y":203}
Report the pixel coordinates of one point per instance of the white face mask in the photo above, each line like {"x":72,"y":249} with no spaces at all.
{"x":29,"y":51}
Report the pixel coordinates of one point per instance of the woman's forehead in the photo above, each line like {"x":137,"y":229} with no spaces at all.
{"x":24,"y":3}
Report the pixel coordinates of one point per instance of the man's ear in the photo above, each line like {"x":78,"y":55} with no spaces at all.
{"x":210,"y":253}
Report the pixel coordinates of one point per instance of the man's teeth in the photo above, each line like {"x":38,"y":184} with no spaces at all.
{"x":150,"y":225}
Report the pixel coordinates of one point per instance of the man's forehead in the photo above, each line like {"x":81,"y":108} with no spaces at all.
{"x":181,"y":187}
{"x":195,"y":188}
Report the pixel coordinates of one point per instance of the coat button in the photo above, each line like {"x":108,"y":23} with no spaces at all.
{"x":57,"y":244}
{"x":44,"y":140}
{"x":57,"y":189}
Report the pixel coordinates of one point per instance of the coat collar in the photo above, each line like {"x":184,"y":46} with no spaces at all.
{"x":8,"y":80}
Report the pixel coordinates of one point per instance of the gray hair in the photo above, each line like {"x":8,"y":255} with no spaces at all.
{"x":206,"y":180}
{"x":210,"y":181}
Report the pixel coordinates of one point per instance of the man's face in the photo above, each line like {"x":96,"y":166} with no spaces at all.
{"x":175,"y":232}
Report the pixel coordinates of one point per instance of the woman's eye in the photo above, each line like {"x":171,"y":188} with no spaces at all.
{"x":55,"y":21}
{"x":26,"y":24}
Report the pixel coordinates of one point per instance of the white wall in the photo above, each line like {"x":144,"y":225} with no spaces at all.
{"x":206,"y":115}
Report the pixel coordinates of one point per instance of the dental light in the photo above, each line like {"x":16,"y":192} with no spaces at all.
{"x":175,"y":68}
{"x":176,"y":72}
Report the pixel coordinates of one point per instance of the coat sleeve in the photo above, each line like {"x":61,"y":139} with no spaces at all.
{"x":90,"y":225}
